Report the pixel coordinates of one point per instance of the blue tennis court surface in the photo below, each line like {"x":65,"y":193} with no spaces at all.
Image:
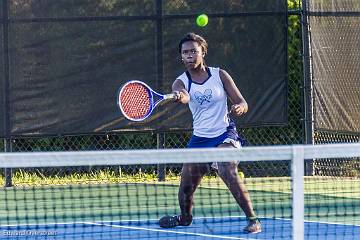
{"x":202,"y":228}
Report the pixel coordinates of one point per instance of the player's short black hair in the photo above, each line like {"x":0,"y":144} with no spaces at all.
{"x":195,"y":38}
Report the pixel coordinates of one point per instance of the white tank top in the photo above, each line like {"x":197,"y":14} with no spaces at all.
{"x":208,"y":104}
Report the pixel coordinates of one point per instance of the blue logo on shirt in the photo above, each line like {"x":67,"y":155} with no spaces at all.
{"x":201,"y":98}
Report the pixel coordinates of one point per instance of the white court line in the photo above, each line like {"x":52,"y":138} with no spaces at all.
{"x":143,"y":220}
{"x":156,"y":219}
{"x":310,"y":221}
{"x":41,"y":224}
{"x":170,"y":231}
{"x":110,"y":221}
{"x":229,"y":217}
{"x":333,"y":223}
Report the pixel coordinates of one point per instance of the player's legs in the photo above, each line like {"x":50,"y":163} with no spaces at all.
{"x":228,"y":172}
{"x":191,"y":176}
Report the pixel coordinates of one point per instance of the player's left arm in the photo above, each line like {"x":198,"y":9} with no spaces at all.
{"x":240,"y":105}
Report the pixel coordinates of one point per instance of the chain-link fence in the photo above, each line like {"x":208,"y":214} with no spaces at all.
{"x":334,"y":33}
{"x":292,"y":133}
{"x":289,"y":134}
{"x":333,"y":167}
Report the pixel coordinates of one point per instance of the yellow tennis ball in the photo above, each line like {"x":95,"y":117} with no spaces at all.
{"x":241,"y":174}
{"x":202,"y":20}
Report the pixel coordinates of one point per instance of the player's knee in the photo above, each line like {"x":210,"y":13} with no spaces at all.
{"x":227,"y":170}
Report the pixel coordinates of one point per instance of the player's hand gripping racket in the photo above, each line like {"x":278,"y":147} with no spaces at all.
{"x":137,"y":100}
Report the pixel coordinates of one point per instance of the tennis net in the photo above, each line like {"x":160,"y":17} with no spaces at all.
{"x":116,"y":194}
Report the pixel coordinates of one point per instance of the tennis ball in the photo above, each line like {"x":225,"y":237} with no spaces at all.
{"x":242,"y":176}
{"x":202,"y":20}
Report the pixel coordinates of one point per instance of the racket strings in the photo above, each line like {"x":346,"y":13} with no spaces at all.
{"x":135,"y":101}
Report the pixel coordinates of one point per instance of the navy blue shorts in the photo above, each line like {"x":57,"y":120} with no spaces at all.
{"x":202,"y":142}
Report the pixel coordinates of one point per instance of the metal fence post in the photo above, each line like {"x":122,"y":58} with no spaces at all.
{"x":161,"y":168}
{"x":8,"y":171}
{"x":7,"y":139}
{"x":307,"y":108}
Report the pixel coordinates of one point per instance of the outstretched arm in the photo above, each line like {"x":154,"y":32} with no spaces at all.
{"x":182,"y":95}
{"x":239,"y":106}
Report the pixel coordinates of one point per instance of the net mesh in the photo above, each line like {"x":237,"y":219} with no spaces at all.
{"x":118,"y":203}
{"x":135,"y":101}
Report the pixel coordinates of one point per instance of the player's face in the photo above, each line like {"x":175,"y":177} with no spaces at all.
{"x":192,"y":55}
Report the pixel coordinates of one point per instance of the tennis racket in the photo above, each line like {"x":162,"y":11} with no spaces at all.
{"x":137,"y":100}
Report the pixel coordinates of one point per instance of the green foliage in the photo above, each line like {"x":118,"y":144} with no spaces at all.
{"x":294,"y":4}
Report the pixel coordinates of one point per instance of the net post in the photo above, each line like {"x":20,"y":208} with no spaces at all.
{"x":297,"y":185}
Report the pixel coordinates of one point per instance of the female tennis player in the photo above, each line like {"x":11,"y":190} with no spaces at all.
{"x":206,"y":90}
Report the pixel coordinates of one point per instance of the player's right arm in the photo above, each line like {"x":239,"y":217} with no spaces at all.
{"x":182,"y":94}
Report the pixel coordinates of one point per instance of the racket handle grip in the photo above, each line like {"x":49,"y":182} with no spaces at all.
{"x":170,"y":96}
